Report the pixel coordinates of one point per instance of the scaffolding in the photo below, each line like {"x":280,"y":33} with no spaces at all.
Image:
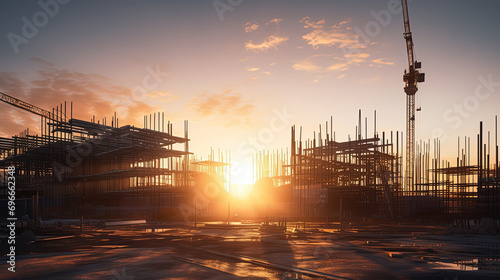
{"x":81,"y":167}
{"x":464,"y":190}
{"x":74,"y":167}
{"x":365,"y":173}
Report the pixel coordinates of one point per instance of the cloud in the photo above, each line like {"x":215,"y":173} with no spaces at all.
{"x":161,"y":96}
{"x":10,"y":84}
{"x":308,"y":24}
{"x":323,"y":63}
{"x":228,"y":107}
{"x":257,"y":70}
{"x":343,"y":22}
{"x":92,"y":94}
{"x":380,"y":61}
{"x":275,"y":20}
{"x":319,"y":37}
{"x":307,"y":65}
{"x":320,"y":64}
{"x":336,"y":66}
{"x":341,"y":76}
{"x":270,"y":28}
{"x":249,"y":27}
{"x":338,"y":35}
{"x":270,"y":42}
{"x":356,"y":58}
{"x":16,"y":120}
{"x":342,"y":37}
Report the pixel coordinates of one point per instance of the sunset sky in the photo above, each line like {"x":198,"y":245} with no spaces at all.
{"x":243,"y":70}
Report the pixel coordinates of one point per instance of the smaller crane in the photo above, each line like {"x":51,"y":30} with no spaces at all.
{"x":30,"y":108}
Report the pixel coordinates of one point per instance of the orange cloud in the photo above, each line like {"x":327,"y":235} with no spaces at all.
{"x":249,"y":27}
{"x":343,"y":22}
{"x":275,"y":20}
{"x":307,"y":65}
{"x":308,"y":24}
{"x":228,"y":107}
{"x":356,"y":58}
{"x":92,"y":94}
{"x":161,"y":96}
{"x":381,"y":61}
{"x":337,"y":35}
{"x":270,"y":42}
{"x":336,"y":66}
{"x":320,"y":64}
{"x":319,"y":37}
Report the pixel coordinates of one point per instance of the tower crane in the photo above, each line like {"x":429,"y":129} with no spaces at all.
{"x":411,"y":78}
{"x":30,"y":108}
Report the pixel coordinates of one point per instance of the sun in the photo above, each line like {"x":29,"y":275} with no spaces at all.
{"x":242,"y":173}
{"x":242,"y":180}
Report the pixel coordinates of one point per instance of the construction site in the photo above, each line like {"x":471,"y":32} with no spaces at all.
{"x":389,"y":203}
{"x":86,"y":168}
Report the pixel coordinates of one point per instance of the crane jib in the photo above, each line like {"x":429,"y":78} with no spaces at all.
{"x":29,"y":107}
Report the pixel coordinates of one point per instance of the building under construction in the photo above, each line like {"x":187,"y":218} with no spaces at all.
{"x":75,"y":167}
{"x":461,"y":188}
{"x":92,"y":168}
{"x":361,"y":175}
{"x":363,"y":178}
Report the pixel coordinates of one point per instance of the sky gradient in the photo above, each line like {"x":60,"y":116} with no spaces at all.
{"x":243,"y":72}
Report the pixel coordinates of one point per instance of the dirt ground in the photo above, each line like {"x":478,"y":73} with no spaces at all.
{"x":174,"y":251}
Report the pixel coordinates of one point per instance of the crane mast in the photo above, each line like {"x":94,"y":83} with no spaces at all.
{"x":411,"y":77}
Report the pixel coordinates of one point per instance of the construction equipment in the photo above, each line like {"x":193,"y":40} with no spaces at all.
{"x":30,"y":108}
{"x":411,"y":78}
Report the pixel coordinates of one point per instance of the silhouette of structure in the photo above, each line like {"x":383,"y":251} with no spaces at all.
{"x":366,"y":174}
